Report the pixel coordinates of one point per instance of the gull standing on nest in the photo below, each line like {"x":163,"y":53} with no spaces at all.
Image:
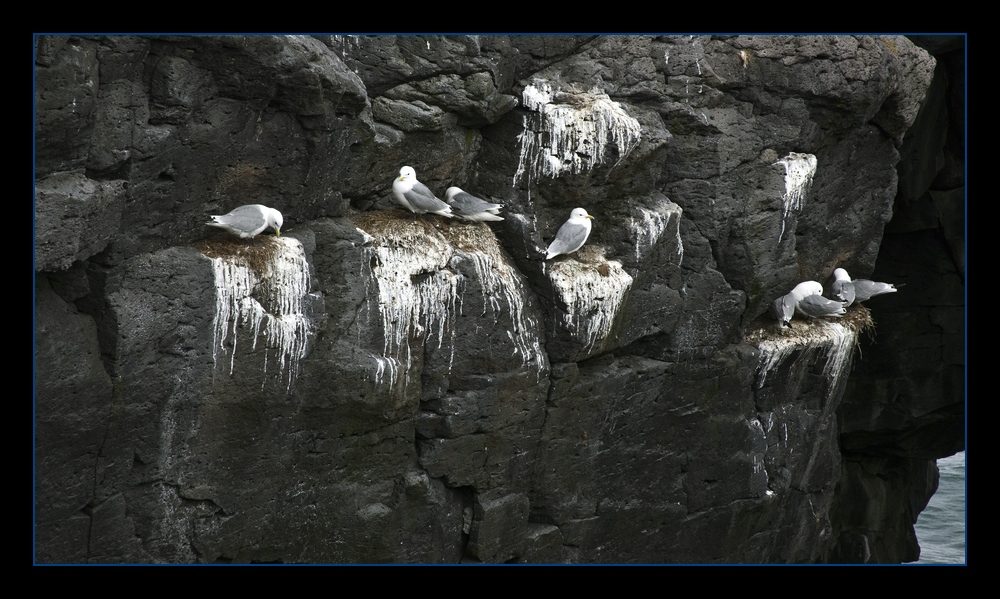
{"x":249,"y":221}
{"x":415,"y":196}
{"x":572,"y":235}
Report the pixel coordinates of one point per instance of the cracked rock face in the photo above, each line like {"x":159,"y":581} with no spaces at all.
{"x":375,"y":386}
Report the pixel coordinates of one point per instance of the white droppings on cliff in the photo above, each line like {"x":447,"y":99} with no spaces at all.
{"x":499,"y":281}
{"x":572,"y":137}
{"x":758,"y":435}
{"x":799,"y":171}
{"x":592,"y":295}
{"x":387,"y":367}
{"x":680,"y":246}
{"x":525,"y":141}
{"x":648,"y":230}
{"x":417,"y":294}
{"x":836,"y":341}
{"x":842,"y":342}
{"x":650,"y":226}
{"x":266,"y":298}
{"x":350,"y":46}
{"x":527,"y":227}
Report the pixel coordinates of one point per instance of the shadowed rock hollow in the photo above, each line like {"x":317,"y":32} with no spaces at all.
{"x":379,"y":387}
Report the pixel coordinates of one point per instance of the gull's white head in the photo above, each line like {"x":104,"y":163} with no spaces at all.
{"x":841,"y":275}
{"x":580,"y":213}
{"x":275,"y":220}
{"x":807,"y":288}
{"x":407,"y":172}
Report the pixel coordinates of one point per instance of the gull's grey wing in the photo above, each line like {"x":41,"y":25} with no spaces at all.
{"x":422,"y":198}
{"x":470,"y":204}
{"x":569,"y":238}
{"x":817,"y":305}
{"x":865,"y":289}
{"x":783,"y":309}
{"x":472,"y":208}
{"x":843,"y":291}
{"x":245,"y":221}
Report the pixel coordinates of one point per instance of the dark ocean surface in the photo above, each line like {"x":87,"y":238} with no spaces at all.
{"x":941,"y":527}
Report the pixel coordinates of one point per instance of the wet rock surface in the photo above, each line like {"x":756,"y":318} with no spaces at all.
{"x":375,"y":386}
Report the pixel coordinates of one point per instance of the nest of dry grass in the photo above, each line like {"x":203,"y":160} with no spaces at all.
{"x":395,"y":228}
{"x":466,"y":236}
{"x":858,"y":319}
{"x":589,"y":257}
{"x":257,"y":254}
{"x":397,"y":225}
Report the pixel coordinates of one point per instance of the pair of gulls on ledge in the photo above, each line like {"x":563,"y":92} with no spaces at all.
{"x":807,"y":297}
{"x":419,"y":199}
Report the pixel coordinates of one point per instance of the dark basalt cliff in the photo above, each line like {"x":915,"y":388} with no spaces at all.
{"x":374,"y":387}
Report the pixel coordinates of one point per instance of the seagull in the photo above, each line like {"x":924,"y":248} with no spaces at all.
{"x":248,"y":221}
{"x":809,"y":301}
{"x":858,"y":290}
{"x":842,"y":288}
{"x":469,"y":207}
{"x":571,"y":235}
{"x":415,"y":196}
{"x":783,"y":309}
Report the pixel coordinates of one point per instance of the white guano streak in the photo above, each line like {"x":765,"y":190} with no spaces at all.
{"x":572,"y":137}
{"x":836,"y":340}
{"x":417,"y":295}
{"x":799,"y":171}
{"x":592,"y":300}
{"x":282,"y":286}
{"x":498,"y":279}
{"x":651,"y":226}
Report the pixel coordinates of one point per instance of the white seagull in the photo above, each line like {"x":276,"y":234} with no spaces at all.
{"x":248,"y":221}
{"x":469,"y":207}
{"x":415,"y":196}
{"x":783,"y":309}
{"x":858,"y":290}
{"x":809,"y":301}
{"x":571,"y":235}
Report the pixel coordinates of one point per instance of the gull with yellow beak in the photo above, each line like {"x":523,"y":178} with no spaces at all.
{"x":249,"y":221}
{"x":572,"y":235}
{"x":415,"y":196}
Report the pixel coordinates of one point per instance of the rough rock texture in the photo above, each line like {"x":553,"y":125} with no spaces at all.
{"x":903,"y":409}
{"x":376,"y":387}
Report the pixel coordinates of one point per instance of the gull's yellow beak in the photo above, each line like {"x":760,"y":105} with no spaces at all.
{"x":590,"y":217}
{"x":277,"y":232}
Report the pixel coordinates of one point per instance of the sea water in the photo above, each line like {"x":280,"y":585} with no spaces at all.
{"x":940,"y":527}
